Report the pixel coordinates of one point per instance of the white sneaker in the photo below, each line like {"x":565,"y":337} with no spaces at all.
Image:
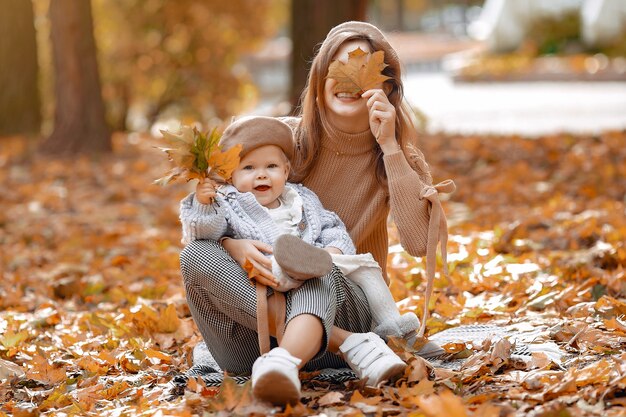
{"x":275,"y":377}
{"x":370,"y":358}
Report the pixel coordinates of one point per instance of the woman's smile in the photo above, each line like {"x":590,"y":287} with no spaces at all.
{"x":348,"y":96}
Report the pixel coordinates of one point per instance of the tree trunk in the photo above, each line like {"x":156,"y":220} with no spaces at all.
{"x":79,"y":121}
{"x":310,"y":22}
{"x":400,"y":12}
{"x":20,"y":108}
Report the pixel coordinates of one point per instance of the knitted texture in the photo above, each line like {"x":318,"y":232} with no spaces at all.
{"x":240,"y":216}
{"x":362,"y":202}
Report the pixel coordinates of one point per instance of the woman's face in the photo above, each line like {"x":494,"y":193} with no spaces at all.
{"x":347,"y":111}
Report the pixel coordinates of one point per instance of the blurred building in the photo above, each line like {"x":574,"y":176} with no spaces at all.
{"x":504,"y":24}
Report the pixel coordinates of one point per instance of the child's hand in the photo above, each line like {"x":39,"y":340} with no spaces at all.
{"x":205,"y":190}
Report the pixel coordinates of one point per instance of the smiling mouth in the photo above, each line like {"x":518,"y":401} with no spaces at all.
{"x":262,"y":187}
{"x":348,"y":95}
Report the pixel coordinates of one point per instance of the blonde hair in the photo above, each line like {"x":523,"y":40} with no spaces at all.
{"x":313,"y":114}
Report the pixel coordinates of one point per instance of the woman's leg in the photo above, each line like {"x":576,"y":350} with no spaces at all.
{"x":222,"y":303}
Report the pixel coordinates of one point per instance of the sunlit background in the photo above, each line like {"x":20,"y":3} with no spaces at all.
{"x":521,"y":102}
{"x":470,"y":66}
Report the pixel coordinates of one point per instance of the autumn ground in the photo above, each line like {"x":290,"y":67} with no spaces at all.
{"x":93,"y":319}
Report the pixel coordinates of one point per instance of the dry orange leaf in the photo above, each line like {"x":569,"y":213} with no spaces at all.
{"x":447,"y":404}
{"x":251,"y":270}
{"x":362,"y":72}
{"x":197,"y":155}
{"x":223,"y":163}
{"x":43,"y":371}
{"x":168,"y":321}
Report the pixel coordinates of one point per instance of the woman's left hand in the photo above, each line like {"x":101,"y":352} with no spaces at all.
{"x":382,"y":119}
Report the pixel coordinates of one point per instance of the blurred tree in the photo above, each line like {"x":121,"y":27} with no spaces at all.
{"x":20,"y":110}
{"x":310,"y":22}
{"x":181,"y":56}
{"x":79,"y":124}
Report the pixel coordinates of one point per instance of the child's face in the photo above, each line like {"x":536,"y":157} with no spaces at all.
{"x":263,"y":172}
{"x":342,"y":105}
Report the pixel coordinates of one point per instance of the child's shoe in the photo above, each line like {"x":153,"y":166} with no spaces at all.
{"x":301,"y":260}
{"x":275,"y":377}
{"x":370,"y":358}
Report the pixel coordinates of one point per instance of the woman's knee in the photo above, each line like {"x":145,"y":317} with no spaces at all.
{"x":201,"y":259}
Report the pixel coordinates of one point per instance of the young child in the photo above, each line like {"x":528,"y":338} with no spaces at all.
{"x":307,"y":239}
{"x":259,"y":204}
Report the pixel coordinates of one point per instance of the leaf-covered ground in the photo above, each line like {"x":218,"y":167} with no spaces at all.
{"x":93,"y":319}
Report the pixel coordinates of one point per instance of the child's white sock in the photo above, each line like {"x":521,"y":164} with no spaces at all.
{"x":365,"y":272}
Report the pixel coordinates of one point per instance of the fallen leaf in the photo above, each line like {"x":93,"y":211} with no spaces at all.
{"x":43,"y":371}
{"x":231,"y":396}
{"x":168,"y":321}
{"x":446,"y":404}
{"x":9,"y":369}
{"x":332,"y":397}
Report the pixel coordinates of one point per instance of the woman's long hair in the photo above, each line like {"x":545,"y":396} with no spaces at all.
{"x":313,"y":110}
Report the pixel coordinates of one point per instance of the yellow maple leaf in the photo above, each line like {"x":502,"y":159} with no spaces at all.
{"x":223,"y":163}
{"x":197,"y":155}
{"x":362,"y":72}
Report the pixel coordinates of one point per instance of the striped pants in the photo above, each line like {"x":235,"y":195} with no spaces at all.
{"x":223,"y":305}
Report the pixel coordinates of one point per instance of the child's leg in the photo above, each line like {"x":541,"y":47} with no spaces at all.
{"x":365,"y":272}
{"x":303,"y":337}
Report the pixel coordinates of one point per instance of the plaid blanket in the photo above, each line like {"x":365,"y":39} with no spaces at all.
{"x":525,"y":340}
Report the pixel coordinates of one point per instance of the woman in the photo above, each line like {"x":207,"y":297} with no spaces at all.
{"x":356,"y":152}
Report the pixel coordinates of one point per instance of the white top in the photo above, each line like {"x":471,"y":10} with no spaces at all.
{"x":288,"y":214}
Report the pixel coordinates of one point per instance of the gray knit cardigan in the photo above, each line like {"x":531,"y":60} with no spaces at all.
{"x":240,"y":216}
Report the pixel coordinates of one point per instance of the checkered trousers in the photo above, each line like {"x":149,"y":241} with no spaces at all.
{"x":223,"y":305}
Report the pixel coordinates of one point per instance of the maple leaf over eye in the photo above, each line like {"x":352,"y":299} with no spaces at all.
{"x":362,"y":72}
{"x":197,"y":155}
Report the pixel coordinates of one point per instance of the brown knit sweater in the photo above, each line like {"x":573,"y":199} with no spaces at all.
{"x":344,"y":178}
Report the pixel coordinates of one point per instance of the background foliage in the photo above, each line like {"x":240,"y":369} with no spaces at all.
{"x":93,"y":319}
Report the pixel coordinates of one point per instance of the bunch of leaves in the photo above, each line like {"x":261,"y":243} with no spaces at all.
{"x":197,"y":155}
{"x":362,"y":71}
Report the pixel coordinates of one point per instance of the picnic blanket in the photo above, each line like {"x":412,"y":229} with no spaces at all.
{"x":526,"y":340}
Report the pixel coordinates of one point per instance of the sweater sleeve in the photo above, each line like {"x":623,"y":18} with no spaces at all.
{"x":332,"y":230}
{"x":410,"y":213}
{"x":334,"y":233}
{"x":201,"y":221}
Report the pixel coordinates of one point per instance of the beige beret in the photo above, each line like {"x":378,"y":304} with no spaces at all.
{"x":255,"y":131}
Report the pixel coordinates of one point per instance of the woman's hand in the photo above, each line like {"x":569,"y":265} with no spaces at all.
{"x":252,"y":250}
{"x":205,"y":190}
{"x":382,"y":117}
